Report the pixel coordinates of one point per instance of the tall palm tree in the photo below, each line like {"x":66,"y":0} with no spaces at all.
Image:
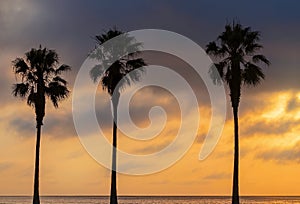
{"x":238,"y":64}
{"x":40,"y":77}
{"x":115,"y":78}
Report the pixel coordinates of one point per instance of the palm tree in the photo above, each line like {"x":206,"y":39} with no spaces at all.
{"x":40,"y":77}
{"x":238,"y":65}
{"x":115,"y":78}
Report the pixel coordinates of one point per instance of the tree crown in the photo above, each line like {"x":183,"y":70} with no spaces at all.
{"x":40,"y":68}
{"x":236,"y":48}
{"x":118,"y":60}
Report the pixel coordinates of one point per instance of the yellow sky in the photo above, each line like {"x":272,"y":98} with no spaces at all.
{"x":269,"y":165}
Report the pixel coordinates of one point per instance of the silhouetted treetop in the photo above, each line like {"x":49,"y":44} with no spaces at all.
{"x":118,"y":56}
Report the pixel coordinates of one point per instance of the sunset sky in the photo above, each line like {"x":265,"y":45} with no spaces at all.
{"x":269,"y":114}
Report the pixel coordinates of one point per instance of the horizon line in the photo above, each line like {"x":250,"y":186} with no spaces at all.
{"x":69,"y":195}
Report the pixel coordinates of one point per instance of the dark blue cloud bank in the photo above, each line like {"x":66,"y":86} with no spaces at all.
{"x":69,"y":26}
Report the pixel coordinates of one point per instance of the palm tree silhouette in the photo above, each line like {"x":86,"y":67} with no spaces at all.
{"x":40,"y":77}
{"x":236,"y":48}
{"x":119,"y":74}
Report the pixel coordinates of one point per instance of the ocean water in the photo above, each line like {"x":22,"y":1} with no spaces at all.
{"x":149,"y":200}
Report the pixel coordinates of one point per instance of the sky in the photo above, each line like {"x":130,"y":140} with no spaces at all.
{"x":269,"y":114}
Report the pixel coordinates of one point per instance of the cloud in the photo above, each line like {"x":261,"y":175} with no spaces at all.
{"x":5,"y":165}
{"x":58,"y":123}
{"x":128,"y":166}
{"x":281,"y":155}
{"x":75,"y":155}
{"x":150,"y":149}
{"x":201,"y":138}
{"x":263,"y":117}
{"x":263,"y":127}
{"x":293,"y":103}
{"x":161,"y":182}
{"x":14,"y":14}
{"x":218,"y":176}
{"x":56,"y":126}
{"x":25,"y":24}
{"x":70,"y":34}
{"x":24,"y":126}
{"x":60,"y":126}
{"x":139,"y":107}
{"x":26,"y":172}
{"x":149,"y":97}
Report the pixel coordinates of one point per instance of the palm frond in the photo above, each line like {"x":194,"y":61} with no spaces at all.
{"x":59,"y":79}
{"x":39,"y":70}
{"x":62,"y":68}
{"x":121,"y":59}
{"x":56,"y":92}
{"x":239,"y":44}
{"x":228,"y":75}
{"x":96,"y":72}
{"x":252,"y":74}
{"x":20,"y":66}
{"x":135,"y":63}
{"x":51,"y":58}
{"x":33,"y":58}
{"x":252,"y":48}
{"x":49,"y":71}
{"x":20,"y":89}
{"x":260,"y":58}
{"x":106,"y":85}
{"x":100,"y":39}
{"x":212,"y":49}
{"x":251,"y":37}
{"x":216,"y":72}
{"x":135,"y":75}
{"x":32,"y":98}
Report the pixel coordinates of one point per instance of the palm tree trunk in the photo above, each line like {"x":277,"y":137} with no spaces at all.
{"x":36,"y":195}
{"x":235,"y":188}
{"x":113,"y":188}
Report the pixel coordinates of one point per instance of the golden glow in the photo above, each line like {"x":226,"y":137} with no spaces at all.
{"x":66,"y":168}
{"x":277,"y":106}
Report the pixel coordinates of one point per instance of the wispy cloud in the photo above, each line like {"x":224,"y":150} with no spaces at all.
{"x":5,"y":165}
{"x":281,"y":155}
{"x":218,"y":176}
